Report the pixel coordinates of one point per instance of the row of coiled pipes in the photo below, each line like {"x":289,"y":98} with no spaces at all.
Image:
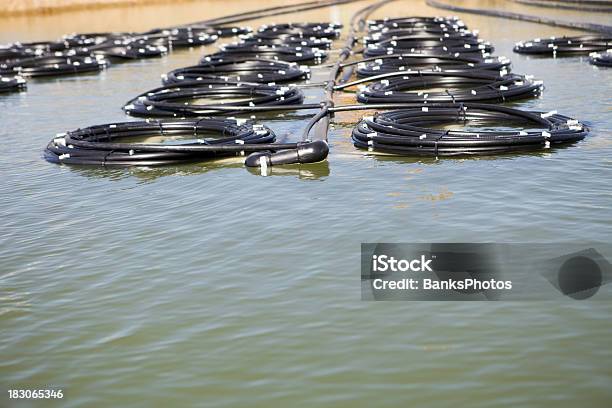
{"x":446,"y":80}
{"x":75,"y":54}
{"x":597,"y":45}
{"x":432,"y":81}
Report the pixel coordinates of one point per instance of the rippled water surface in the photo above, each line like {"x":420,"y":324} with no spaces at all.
{"x":209,"y":285}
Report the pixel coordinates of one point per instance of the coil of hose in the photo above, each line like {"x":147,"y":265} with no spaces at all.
{"x":601,"y":59}
{"x":388,"y":34}
{"x":564,"y":45}
{"x":446,"y":63}
{"x":11,"y":53}
{"x":303,"y":30}
{"x":478,"y":86}
{"x":313,"y":42}
{"x":407,"y":39}
{"x":239,"y":70}
{"x":91,"y":39}
{"x":286,"y":54}
{"x":11,"y":83}
{"x":42,"y":47}
{"x":172,"y":100}
{"x":224,"y":32}
{"x":130,"y":50}
{"x":456,"y":48}
{"x":452,"y":23}
{"x":180,"y":37}
{"x":413,"y":131}
{"x":103,"y":144}
{"x":47,"y":66}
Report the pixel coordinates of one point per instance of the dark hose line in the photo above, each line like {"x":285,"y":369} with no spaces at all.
{"x":601,"y":28}
{"x":273,"y":11}
{"x":424,"y":130}
{"x":318,"y":148}
{"x":605,"y":6}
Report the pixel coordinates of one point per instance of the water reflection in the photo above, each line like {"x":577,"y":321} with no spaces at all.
{"x":316,"y":171}
{"x":382,"y":157}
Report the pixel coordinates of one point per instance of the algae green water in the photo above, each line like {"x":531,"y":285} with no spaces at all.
{"x":208,"y":285}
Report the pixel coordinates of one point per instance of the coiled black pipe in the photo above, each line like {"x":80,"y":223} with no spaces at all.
{"x":41,"y":47}
{"x":420,"y":130}
{"x":139,"y":45}
{"x":223,"y":32}
{"x":239,"y":70}
{"x":472,"y":48}
{"x":287,"y":54}
{"x":179,"y":37}
{"x":601,"y":59}
{"x":104,"y":144}
{"x":303,"y":30}
{"x":52,"y":66}
{"x":312,"y":42}
{"x":174,"y":100}
{"x":466,"y":86}
{"x":422,"y":35}
{"x":564,"y":45}
{"x":416,"y":23}
{"x":90,"y":39}
{"x":385,"y":64}
{"x":10,"y":53}
{"x":388,"y":33}
{"x":130,"y":51}
{"x":11,"y":83}
{"x":408,"y":40}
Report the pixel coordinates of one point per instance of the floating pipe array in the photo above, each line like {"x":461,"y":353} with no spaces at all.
{"x":435,"y":70}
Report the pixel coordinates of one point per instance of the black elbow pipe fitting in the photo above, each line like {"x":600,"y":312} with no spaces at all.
{"x":312,"y":152}
{"x":306,"y":152}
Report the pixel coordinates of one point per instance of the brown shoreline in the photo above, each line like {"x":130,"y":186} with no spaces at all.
{"x":13,"y":8}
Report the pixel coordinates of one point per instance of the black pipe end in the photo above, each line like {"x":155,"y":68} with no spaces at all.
{"x":306,"y":152}
{"x":312,"y":152}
